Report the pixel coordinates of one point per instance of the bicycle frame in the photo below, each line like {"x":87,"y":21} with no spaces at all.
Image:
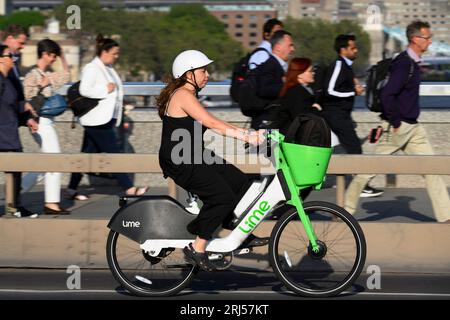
{"x":295,"y":200}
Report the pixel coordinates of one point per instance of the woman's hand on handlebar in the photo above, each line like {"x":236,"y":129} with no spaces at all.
{"x":256,"y":137}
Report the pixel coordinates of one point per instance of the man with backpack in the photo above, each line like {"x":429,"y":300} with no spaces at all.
{"x":253,"y":59}
{"x":339,"y":90}
{"x":262,"y":53}
{"x":267,"y":80}
{"x":400,"y":111}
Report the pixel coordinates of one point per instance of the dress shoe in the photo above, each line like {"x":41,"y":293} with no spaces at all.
{"x":55,"y":212}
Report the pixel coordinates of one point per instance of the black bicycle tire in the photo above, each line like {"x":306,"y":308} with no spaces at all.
{"x":118,"y":275}
{"x":356,"y":269}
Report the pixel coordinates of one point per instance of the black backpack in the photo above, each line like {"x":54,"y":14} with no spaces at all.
{"x":320,"y":85}
{"x":250,"y":103}
{"x":377,"y":78}
{"x":308,"y":129}
{"x":240,"y":73}
{"x":80,"y":105}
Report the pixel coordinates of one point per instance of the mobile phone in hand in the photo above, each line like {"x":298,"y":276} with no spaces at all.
{"x":375,"y":134}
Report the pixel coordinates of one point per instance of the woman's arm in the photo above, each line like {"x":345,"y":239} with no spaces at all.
{"x":58,"y":79}
{"x":193,"y":108}
{"x":31,"y":85}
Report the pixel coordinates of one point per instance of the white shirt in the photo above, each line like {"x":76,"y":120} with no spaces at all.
{"x":261,"y":56}
{"x":94,"y":84}
{"x":347,"y":60}
{"x":283,"y":63}
{"x":117,"y":82}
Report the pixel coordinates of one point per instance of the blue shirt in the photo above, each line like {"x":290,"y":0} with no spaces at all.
{"x":261,"y":56}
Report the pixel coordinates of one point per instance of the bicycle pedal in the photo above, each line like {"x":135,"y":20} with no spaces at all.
{"x":242,"y":251}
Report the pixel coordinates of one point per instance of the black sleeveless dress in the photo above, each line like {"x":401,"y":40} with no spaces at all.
{"x":181,"y":146}
{"x":218,"y":185}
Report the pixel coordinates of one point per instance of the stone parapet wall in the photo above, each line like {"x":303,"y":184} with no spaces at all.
{"x":145,"y":137}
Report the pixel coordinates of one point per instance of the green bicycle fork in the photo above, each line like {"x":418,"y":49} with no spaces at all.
{"x":297,"y":203}
{"x":295,"y":199}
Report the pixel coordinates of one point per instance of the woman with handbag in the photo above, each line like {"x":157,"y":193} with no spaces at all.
{"x":100,"y":81}
{"x":40,"y":85}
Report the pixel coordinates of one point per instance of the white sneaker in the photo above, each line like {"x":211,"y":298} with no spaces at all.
{"x":21,"y":212}
{"x":369,"y":192}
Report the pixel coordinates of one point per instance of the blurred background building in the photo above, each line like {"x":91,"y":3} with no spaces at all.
{"x":244,"y":18}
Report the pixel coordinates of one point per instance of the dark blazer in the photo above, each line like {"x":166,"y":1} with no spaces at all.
{"x":16,"y":81}
{"x":339,"y":87}
{"x":270,"y":79}
{"x":296,"y":100}
{"x":11,"y":109}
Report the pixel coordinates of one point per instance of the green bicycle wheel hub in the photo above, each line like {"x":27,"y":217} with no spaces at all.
{"x":320,"y":252}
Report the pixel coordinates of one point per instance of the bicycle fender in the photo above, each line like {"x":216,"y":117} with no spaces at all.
{"x":152,"y":217}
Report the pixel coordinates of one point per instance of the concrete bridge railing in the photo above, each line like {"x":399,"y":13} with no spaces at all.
{"x":340,"y":165}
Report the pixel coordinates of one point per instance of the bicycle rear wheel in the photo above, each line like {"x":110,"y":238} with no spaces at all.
{"x":144,"y":275}
{"x":339,"y":261}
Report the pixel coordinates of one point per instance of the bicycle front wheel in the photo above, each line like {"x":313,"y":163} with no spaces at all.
{"x":145,"y":275}
{"x":334,"y":267}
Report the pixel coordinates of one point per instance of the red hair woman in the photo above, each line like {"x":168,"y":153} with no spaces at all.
{"x":296,"y":95}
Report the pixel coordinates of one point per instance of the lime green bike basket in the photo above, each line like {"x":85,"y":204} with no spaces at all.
{"x":308,"y":164}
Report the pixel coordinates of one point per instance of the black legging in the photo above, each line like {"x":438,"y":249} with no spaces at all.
{"x":220,"y":187}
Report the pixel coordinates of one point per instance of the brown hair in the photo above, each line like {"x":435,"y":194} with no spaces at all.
{"x":104,"y":44}
{"x":296,"y":66}
{"x":166,"y":93}
{"x":269,"y":25}
{"x":13,"y":30}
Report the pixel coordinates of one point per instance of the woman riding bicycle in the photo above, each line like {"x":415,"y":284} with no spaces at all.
{"x":183,"y":158}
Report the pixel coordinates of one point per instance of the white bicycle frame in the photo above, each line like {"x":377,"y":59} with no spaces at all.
{"x":272,"y":195}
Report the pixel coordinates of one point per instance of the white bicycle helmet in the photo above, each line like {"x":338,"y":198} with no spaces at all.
{"x":189,"y":60}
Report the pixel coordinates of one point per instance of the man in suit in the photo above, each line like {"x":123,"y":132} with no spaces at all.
{"x":15,"y":37}
{"x":270,"y":74}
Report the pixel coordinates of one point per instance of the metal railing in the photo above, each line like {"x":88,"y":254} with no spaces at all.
{"x":223,"y":89}
{"x":340,"y":165}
